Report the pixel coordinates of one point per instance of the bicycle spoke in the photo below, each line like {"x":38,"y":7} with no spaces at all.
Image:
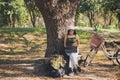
{"x":118,"y":55}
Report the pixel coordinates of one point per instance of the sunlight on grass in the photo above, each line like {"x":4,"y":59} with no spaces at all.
{"x":25,"y":41}
{"x":84,"y":36}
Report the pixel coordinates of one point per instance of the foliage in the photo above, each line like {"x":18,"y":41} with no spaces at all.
{"x":89,"y":8}
{"x":32,"y":10}
{"x":15,"y":13}
{"x":22,"y":30}
{"x":99,"y":12}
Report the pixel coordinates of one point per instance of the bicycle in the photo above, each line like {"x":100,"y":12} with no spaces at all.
{"x":110,"y":48}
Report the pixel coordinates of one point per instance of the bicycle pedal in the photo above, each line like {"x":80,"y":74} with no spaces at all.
{"x":88,"y":64}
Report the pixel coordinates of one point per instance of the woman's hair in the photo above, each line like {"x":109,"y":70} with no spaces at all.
{"x":70,"y":30}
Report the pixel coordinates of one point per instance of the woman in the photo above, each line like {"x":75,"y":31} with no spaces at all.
{"x":71,"y":44}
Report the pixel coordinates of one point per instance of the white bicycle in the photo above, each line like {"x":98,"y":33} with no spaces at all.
{"x":111,"y":50}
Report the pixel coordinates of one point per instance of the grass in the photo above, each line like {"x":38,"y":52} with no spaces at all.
{"x":32,"y":39}
{"x":22,"y":40}
{"x":22,"y":31}
{"x":24,"y":48}
{"x":41,"y":30}
{"x":84,"y":36}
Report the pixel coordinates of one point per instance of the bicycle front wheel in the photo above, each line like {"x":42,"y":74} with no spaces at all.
{"x":118,"y":55}
{"x":90,"y":56}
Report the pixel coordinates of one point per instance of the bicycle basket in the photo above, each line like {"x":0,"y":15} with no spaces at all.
{"x":96,"y":41}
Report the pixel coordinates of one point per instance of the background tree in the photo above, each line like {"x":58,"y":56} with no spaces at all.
{"x":33,"y":11}
{"x":13,"y":12}
{"x":90,"y":8}
{"x":110,"y":8}
{"x":57,"y":15}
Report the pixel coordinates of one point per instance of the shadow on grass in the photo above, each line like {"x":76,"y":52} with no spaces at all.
{"x":21,"y":68}
{"x":33,"y":48}
{"x":105,"y":70}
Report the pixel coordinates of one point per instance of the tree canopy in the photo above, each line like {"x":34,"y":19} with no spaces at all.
{"x":18,"y":13}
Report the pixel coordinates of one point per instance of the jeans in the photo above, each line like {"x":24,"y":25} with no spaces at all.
{"x":73,"y":59}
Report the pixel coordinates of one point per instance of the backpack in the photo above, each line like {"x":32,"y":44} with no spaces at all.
{"x":56,"y":67}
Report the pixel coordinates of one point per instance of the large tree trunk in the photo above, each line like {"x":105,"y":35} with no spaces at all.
{"x":57,"y":15}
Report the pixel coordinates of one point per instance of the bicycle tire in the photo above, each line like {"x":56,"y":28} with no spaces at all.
{"x":90,"y":56}
{"x":109,"y":48}
{"x":118,"y":54}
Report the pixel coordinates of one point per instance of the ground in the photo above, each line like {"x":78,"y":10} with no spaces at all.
{"x":23,"y":59}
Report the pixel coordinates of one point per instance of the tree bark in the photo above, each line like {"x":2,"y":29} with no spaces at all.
{"x":90,"y":19}
{"x":105,"y":18}
{"x":13,"y":20}
{"x":119,"y":24}
{"x":57,"y":15}
{"x":110,"y":19}
{"x":33,"y":18}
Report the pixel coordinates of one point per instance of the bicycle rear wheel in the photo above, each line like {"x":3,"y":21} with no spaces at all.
{"x":90,"y":56}
{"x":109,"y":48}
{"x":118,"y":55}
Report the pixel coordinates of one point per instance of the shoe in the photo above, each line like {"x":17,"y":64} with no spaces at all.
{"x":80,"y":70}
{"x":75,"y":71}
{"x":71,"y":72}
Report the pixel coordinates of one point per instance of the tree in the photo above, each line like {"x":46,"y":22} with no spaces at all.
{"x":13,"y":12}
{"x":6,"y":12}
{"x":90,"y":8}
{"x":57,"y":15}
{"x":114,"y":7}
{"x":107,"y":13}
{"x":118,"y":17}
{"x":33,"y":11}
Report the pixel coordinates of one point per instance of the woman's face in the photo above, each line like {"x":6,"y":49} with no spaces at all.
{"x":71,"y":32}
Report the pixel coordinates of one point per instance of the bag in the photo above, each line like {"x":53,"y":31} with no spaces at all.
{"x":56,"y":67}
{"x":51,"y":72}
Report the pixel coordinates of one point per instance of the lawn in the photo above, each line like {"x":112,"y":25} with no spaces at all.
{"x":22,"y":52}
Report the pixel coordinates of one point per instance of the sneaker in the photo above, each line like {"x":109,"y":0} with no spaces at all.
{"x":71,"y":72}
{"x":76,"y":71}
{"x":80,"y":70}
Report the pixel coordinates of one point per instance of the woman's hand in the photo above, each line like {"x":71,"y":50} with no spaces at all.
{"x":65,"y":46}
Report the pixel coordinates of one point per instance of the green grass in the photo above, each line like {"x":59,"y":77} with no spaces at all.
{"x":10,"y":32}
{"x":31,"y":39}
{"x":84,"y":36}
{"x":22,"y":40}
{"x":22,"y":30}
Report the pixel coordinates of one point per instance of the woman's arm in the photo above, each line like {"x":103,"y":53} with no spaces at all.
{"x":65,"y":38}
